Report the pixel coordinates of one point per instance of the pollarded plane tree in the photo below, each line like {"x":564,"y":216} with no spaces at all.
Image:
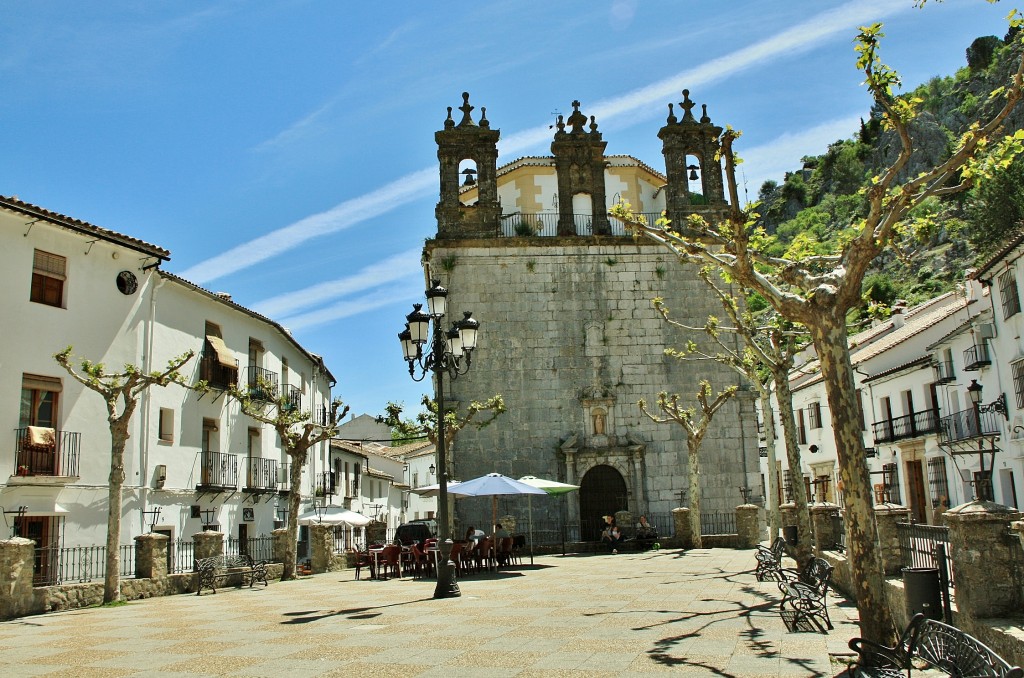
{"x":478,"y":414}
{"x":818,"y":290}
{"x":299,"y":432}
{"x":695,"y":422}
{"x":764,"y":357}
{"x":120,"y":391}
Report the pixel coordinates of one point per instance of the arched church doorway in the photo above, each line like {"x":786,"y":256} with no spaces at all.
{"x":602,"y":492}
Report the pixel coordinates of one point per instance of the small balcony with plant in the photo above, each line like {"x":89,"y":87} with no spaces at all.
{"x":41,"y":452}
{"x":215,"y":373}
{"x":262,"y":383}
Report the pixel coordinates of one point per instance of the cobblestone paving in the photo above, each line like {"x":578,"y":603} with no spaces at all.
{"x":698,"y":612}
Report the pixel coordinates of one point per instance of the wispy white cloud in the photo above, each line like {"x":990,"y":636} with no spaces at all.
{"x":379,"y":298}
{"x":344,"y":215}
{"x":399,"y":266}
{"x":296,"y":130}
{"x":800,"y":37}
{"x":773,"y":159}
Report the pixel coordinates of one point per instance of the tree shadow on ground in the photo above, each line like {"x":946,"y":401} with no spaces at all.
{"x":307,"y":616}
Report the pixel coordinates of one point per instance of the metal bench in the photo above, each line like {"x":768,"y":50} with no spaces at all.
{"x":927,"y":643}
{"x":805,"y":595}
{"x":769,"y":560}
{"x":209,"y":570}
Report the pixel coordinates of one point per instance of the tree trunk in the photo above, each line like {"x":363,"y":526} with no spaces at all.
{"x":694,"y":463}
{"x":118,"y":440}
{"x":294,"y":501}
{"x":774,"y":516}
{"x":784,"y":396}
{"x":830,"y":339}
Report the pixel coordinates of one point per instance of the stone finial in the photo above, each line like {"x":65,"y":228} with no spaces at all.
{"x":484,"y":122}
{"x":704,"y":109}
{"x":560,"y":124}
{"x":593,"y":123}
{"x":577,"y":120}
{"x":672,"y":119}
{"x":449,"y":123}
{"x":466,"y":109}
{"x":687,"y":106}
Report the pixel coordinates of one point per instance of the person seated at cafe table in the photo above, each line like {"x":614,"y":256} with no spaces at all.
{"x":500,"y":532}
{"x":474,"y":535}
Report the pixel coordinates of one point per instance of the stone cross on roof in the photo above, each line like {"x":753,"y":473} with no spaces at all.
{"x":577,"y":120}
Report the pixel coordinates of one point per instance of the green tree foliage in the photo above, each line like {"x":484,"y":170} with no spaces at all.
{"x":996,"y":208}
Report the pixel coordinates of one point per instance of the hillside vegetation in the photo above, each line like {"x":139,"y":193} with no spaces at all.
{"x":813,"y":209}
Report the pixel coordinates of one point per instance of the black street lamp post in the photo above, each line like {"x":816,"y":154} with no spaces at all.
{"x":983,"y":486}
{"x":448,"y":352}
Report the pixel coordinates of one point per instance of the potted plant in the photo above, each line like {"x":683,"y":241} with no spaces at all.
{"x":23,"y":470}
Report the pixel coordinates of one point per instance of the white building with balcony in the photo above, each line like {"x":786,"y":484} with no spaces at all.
{"x":909,"y":395}
{"x":192,"y":461}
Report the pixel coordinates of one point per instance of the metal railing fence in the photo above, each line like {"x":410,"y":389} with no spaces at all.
{"x":918,"y":546}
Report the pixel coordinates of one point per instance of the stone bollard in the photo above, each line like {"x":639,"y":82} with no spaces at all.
{"x":279,"y":544}
{"x":321,"y":547}
{"x":822,"y":514}
{"x":151,"y":556}
{"x":886,"y":517}
{"x":17,"y":556}
{"x":681,"y":520}
{"x":208,"y":544}
{"x":624,"y":520}
{"x":985,"y":560}
{"x":748,"y":525}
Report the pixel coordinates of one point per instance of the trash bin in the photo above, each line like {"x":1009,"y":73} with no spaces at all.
{"x":789,"y":532}
{"x":921,"y":586}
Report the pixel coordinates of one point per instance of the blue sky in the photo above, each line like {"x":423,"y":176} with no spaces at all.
{"x":284,"y":151}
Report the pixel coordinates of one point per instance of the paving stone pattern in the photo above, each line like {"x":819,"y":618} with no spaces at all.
{"x":698,"y":612}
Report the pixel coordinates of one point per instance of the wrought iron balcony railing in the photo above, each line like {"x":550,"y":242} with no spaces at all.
{"x":327,"y":484}
{"x":262,"y":383}
{"x":216,"y":374}
{"x":944,"y":372}
{"x":218,"y":470}
{"x":908,"y":426}
{"x":48,"y":452}
{"x":545,"y":224}
{"x":976,"y":357}
{"x":967,"y":424}
{"x":293,"y":397}
{"x":260,"y":474}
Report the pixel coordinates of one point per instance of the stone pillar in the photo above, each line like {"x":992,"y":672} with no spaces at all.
{"x":1018,"y":526}
{"x":321,"y":547}
{"x":279,"y":544}
{"x":748,"y":525}
{"x":886,"y":517}
{"x":985,"y":560}
{"x":508,"y":522}
{"x":208,"y":544}
{"x":681,"y":519}
{"x":821,"y":524}
{"x":151,"y":556}
{"x":17,"y":556}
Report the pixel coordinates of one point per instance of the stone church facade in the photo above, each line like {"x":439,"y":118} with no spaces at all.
{"x":569,"y":335}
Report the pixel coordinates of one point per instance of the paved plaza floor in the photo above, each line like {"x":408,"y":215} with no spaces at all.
{"x":698,"y":612}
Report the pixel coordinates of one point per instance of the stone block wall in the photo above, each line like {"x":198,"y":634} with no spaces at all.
{"x":563,"y":321}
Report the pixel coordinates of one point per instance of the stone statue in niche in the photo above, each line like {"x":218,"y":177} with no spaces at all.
{"x":599,"y":422}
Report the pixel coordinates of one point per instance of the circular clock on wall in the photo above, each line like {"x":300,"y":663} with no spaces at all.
{"x":127,"y":283}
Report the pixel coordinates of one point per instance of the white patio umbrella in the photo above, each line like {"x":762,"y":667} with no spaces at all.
{"x":552,"y":487}
{"x":333,"y":515}
{"x":433,"y":490}
{"x":492,"y":485}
